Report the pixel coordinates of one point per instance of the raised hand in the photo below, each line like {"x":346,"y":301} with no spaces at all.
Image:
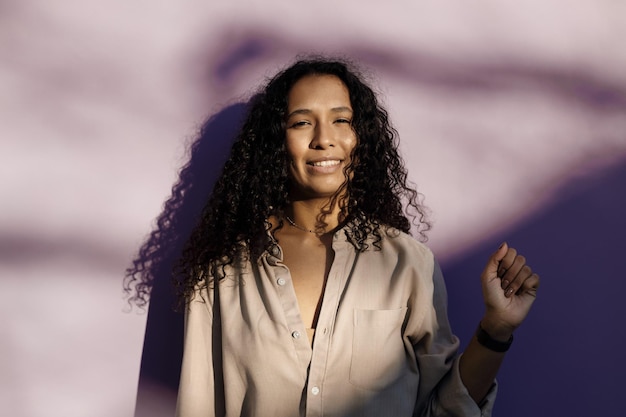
{"x":509,"y":289}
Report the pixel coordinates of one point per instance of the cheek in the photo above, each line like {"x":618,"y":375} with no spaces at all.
{"x":295,"y":150}
{"x":292,"y":159}
{"x":351,"y":145}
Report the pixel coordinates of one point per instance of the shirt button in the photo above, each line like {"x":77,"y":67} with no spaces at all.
{"x":295,"y":334}
{"x":315,"y":390}
{"x":281,"y":281}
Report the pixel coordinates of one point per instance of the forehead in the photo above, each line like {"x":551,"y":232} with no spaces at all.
{"x":317,"y":90}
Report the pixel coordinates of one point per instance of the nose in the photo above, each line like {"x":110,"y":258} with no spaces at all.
{"x":322,"y":137}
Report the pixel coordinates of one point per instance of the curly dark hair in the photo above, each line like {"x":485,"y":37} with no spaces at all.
{"x":254,"y":183}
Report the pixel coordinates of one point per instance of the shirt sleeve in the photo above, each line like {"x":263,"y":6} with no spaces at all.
{"x":196,"y":396}
{"x":441,"y":391}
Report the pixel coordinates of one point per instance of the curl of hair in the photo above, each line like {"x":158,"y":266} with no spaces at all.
{"x":152,"y":266}
{"x":254,"y":182}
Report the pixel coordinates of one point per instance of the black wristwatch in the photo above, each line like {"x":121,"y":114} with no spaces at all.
{"x":490,"y":343}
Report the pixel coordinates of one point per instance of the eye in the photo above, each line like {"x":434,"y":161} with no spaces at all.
{"x":343,"y":120}
{"x":299,"y":123}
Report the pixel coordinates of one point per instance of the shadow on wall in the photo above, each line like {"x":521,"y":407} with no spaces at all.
{"x":564,"y":361}
{"x":162,"y":349}
{"x":575,"y":86}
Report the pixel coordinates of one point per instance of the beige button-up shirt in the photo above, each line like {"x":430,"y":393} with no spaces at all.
{"x":383,"y":345}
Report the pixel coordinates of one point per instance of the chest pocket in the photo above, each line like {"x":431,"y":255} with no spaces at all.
{"x":377,"y":348}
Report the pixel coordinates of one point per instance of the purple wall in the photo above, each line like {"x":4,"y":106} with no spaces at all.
{"x":566,"y":359}
{"x":512,"y":121}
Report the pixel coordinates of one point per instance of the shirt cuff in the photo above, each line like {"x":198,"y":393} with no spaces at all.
{"x":454,"y":399}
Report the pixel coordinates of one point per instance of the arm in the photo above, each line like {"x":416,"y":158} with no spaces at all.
{"x":441,"y":389}
{"x":509,"y":290}
{"x":196,"y":392}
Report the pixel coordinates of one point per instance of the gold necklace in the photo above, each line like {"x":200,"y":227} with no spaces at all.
{"x":297,"y":226}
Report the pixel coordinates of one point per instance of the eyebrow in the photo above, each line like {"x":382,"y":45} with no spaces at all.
{"x":342,"y":109}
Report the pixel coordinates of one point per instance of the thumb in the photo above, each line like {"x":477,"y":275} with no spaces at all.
{"x":491,"y":269}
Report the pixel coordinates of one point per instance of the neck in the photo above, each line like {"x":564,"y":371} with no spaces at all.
{"x":307,"y":214}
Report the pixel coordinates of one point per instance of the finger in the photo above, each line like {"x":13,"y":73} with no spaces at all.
{"x":507,"y":261}
{"x":500,"y":252}
{"x":518,"y":280}
{"x":510,"y":273}
{"x":530,"y":286}
{"x":491,"y":269}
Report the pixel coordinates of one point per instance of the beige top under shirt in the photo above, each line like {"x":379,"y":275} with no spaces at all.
{"x":383,"y":345}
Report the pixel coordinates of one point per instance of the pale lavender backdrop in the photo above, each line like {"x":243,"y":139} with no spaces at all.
{"x":512,"y":115}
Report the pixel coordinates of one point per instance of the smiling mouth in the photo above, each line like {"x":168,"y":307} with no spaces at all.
{"x":325,"y":163}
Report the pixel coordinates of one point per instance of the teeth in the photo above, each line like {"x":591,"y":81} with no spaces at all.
{"x":326,"y":163}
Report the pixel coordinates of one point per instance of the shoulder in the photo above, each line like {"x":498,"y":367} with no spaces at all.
{"x":399,"y":254}
{"x":404,"y":244}
{"x":390,"y":246}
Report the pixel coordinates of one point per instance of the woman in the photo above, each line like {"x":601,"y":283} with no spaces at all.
{"x":304,"y":293}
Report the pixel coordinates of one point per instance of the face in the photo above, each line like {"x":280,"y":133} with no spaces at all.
{"x":319,"y":136}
